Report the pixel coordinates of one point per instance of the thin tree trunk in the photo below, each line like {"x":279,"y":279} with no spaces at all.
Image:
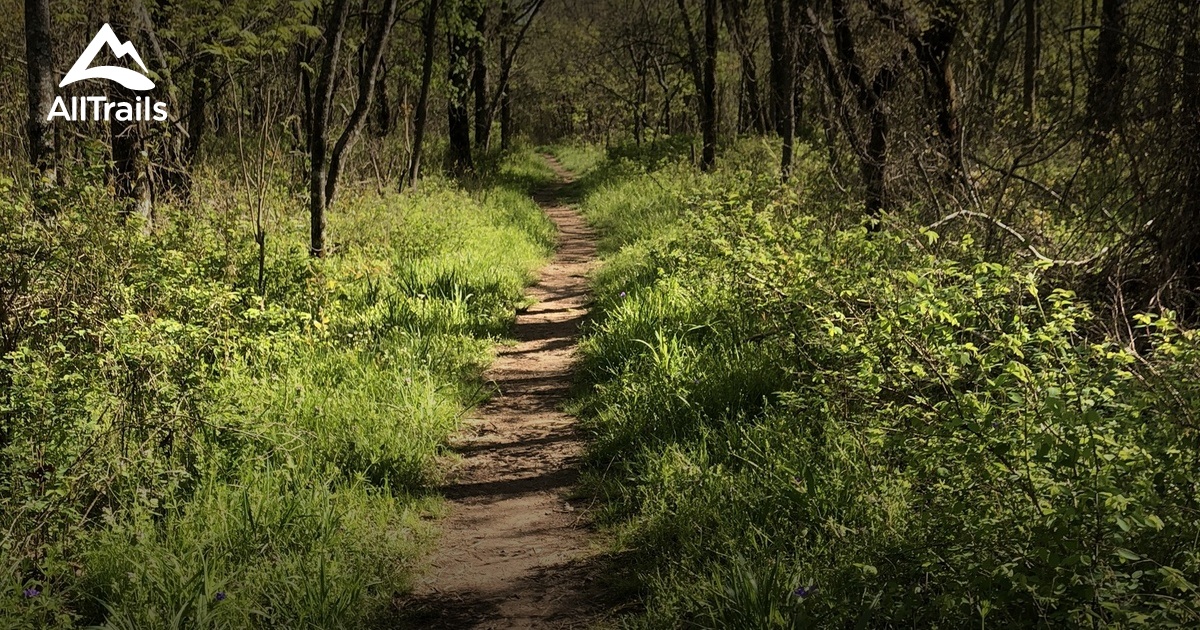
{"x":1168,"y":71}
{"x":750,"y":111}
{"x":668,"y":92}
{"x":872,"y":154}
{"x":502,"y":89}
{"x":1107,"y":87}
{"x":1190,"y":116}
{"x":39,"y":69}
{"x":508,"y":54}
{"x":874,"y":164}
{"x":366,"y":95}
{"x":788,"y":92}
{"x":479,"y":84}
{"x":641,"y":96}
{"x":305,"y":55}
{"x":1030,"y":60}
{"x":171,"y":170}
{"x":319,"y":136}
{"x":197,"y":118}
{"x":994,"y":42}
{"x":708,"y":99}
{"x":777,"y":37}
{"x":382,"y":119}
{"x":306,"y":95}
{"x":421,"y":116}
{"x":1178,"y":238}
{"x":130,"y":166}
{"x":933,"y":55}
{"x":506,"y":128}
{"x":458,"y":114}
{"x":695,"y":63}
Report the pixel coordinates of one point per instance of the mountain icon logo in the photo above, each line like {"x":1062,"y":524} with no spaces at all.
{"x":131,"y":79}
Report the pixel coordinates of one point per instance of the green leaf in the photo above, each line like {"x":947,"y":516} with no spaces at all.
{"x":1127,"y":554}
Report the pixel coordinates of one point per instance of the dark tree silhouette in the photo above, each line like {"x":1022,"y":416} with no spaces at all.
{"x":39,"y":69}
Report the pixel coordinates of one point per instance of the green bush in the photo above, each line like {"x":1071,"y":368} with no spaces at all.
{"x":802,"y":424}
{"x":184,"y":447}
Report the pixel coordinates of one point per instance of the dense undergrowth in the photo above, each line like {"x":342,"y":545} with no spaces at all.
{"x":800,"y":424}
{"x":189,"y":446}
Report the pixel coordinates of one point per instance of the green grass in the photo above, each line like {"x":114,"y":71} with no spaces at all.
{"x":579,"y":157}
{"x":184,"y":452}
{"x":799,"y":424}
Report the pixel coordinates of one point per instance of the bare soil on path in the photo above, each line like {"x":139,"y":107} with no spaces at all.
{"x":514,"y":552}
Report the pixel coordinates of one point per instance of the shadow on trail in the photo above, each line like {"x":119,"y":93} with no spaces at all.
{"x":516,"y":549}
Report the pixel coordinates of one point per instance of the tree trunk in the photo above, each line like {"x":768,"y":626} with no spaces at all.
{"x":664,"y":116}
{"x":1031,"y":53}
{"x":695,"y":64}
{"x":1168,"y":69}
{"x":640,"y":97}
{"x":306,"y":100}
{"x":506,"y":128}
{"x":1190,"y":136}
{"x":458,"y":114}
{"x":502,"y":89}
{"x":305,"y":60}
{"x":872,"y":154}
{"x":1107,"y":87}
{"x":319,"y":135}
{"x":750,"y":110}
{"x":933,"y":55}
{"x":197,"y":117}
{"x":509,"y":45}
{"x":421,"y":116}
{"x":39,"y":69}
{"x":382,"y":120}
{"x":993,"y":39}
{"x":479,"y":84}
{"x":874,"y":164}
{"x":170,"y":169}
{"x":130,"y":166}
{"x":708,"y":99}
{"x":130,"y":176}
{"x":366,"y":95}
{"x":790,"y":107}
{"x":777,"y":37}
{"x":1179,"y":237}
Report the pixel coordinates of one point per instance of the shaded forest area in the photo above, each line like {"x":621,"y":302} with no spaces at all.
{"x":894,"y":329}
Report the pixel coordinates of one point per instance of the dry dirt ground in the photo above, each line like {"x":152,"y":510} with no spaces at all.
{"x":515,"y":550}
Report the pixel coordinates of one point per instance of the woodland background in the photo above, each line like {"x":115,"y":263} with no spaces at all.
{"x":895,"y":327}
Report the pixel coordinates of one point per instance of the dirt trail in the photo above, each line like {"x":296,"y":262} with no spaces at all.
{"x":514,"y":552}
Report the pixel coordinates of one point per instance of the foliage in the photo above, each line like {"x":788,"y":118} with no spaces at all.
{"x":183,"y":450}
{"x":799,"y":423}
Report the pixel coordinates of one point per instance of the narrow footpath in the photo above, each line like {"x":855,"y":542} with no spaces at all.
{"x":514,"y":551}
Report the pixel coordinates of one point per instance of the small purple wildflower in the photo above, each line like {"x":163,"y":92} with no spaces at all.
{"x":804,"y":591}
{"x":31,"y":592}
{"x":220,"y":596}
{"x":622,"y":294}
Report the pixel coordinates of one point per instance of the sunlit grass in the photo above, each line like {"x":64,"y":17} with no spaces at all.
{"x":796,"y":423}
{"x":271,"y":454}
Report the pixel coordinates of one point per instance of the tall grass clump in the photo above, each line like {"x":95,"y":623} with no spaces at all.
{"x":798,"y":423}
{"x":195,"y":436}
{"x":577,"y":157}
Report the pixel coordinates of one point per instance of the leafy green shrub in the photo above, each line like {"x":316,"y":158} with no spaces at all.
{"x":195,"y":437}
{"x":799,"y":423}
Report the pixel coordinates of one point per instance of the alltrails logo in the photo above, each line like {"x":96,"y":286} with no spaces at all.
{"x":99,"y":107}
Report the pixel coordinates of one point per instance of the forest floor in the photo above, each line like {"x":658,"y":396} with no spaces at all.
{"x":515,"y":550}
